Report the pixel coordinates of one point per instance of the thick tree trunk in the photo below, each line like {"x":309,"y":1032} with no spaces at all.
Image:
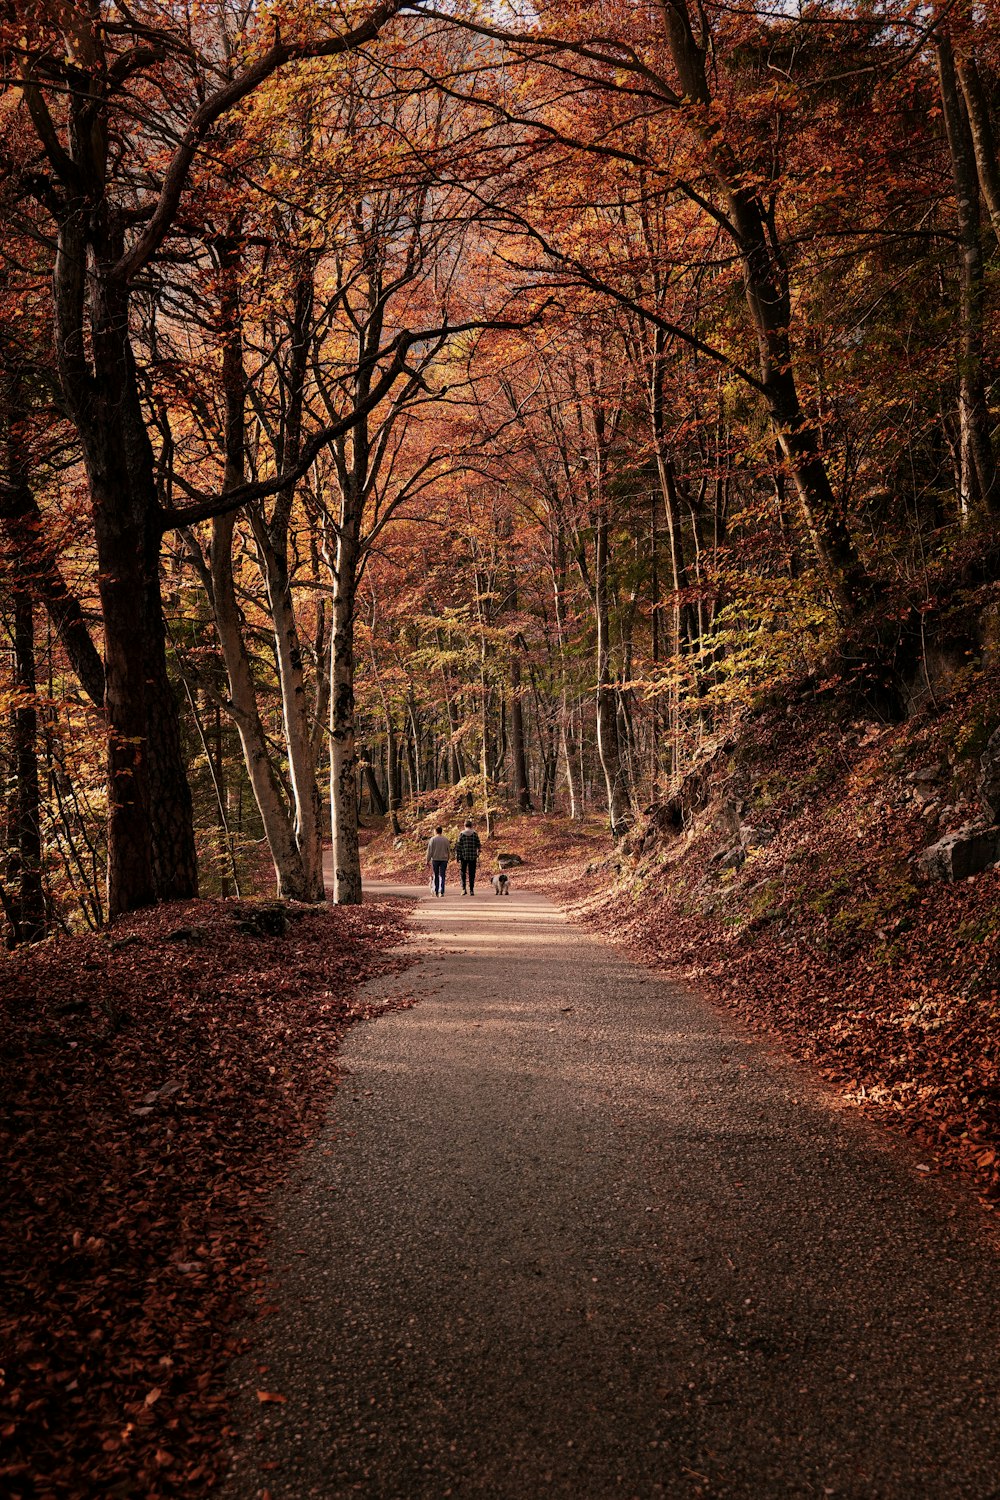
{"x":175,"y":859}
{"x":979,"y":488}
{"x":120,"y":547}
{"x":151,"y":848}
{"x":152,"y":851}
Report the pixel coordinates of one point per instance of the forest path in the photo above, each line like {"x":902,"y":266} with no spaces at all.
{"x":570,"y":1232}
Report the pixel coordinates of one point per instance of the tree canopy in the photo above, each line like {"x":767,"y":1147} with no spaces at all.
{"x":399,"y":400}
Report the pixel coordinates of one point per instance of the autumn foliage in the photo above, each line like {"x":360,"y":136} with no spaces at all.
{"x":409,"y":411}
{"x":157,"y":1082}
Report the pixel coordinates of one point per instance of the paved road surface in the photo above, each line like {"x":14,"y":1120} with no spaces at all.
{"x":571,"y":1233}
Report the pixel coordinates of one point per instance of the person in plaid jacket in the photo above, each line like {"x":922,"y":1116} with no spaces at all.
{"x":467,"y":847}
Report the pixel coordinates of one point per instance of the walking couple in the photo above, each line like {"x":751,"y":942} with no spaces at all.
{"x":467,"y":847}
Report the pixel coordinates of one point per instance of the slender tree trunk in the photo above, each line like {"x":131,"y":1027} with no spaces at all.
{"x":979,"y":487}
{"x":569,"y":756}
{"x":299,"y":741}
{"x":608,"y":748}
{"x":522,"y":793}
{"x":272,"y":546}
{"x":293,"y":879}
{"x":22,"y":522}
{"x":392,"y":771}
{"x":566,"y":738}
{"x":24,"y":867}
{"x":983,"y":137}
{"x":343,"y":748}
{"x":415,"y":747}
{"x":290,"y":875}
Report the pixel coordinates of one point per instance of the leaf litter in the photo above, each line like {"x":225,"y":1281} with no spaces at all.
{"x":157,"y":1082}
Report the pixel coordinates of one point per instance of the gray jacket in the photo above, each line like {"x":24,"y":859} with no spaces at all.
{"x":438,"y":848}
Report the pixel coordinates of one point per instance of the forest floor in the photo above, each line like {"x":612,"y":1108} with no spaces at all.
{"x":572,"y":1231}
{"x":158,"y":1080}
{"x":821,"y":930}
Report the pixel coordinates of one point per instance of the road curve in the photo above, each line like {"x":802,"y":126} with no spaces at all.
{"x":570,"y":1232}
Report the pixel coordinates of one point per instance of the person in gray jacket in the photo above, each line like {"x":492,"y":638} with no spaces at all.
{"x":438,"y":854}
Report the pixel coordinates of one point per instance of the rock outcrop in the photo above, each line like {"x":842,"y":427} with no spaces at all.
{"x":962,"y":853}
{"x":988,"y":788}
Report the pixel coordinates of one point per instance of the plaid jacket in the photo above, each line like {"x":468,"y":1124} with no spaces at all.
{"x":467,"y":845}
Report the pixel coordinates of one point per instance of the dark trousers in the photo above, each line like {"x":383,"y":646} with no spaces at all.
{"x":469,"y":875}
{"x":440,"y":866}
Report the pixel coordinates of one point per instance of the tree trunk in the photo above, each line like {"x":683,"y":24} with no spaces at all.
{"x":23,"y":524}
{"x":272,"y":547}
{"x":290,"y":875}
{"x":566,"y":737}
{"x":343,"y":749}
{"x":983,"y":138}
{"x":292,"y":878}
{"x":120,"y":545}
{"x":392,"y":769}
{"x":175,"y":858}
{"x":522,"y":793}
{"x":608,"y":748}
{"x":295,"y":719}
{"x":24,"y":865}
{"x":979,"y":488}
{"x":414,"y":747}
{"x":369,"y":780}
{"x":151,"y":848}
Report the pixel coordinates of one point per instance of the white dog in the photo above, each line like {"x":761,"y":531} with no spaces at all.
{"x":500,"y":883}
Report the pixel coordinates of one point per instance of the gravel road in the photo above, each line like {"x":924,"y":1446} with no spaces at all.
{"x":571,"y":1232}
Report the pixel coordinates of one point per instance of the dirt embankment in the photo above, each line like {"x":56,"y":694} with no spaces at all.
{"x":791,"y":890}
